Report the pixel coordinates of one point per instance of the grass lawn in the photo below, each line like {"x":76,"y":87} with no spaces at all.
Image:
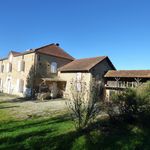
{"x":58,"y":132}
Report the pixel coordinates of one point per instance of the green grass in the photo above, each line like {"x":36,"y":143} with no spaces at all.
{"x":58,"y":133}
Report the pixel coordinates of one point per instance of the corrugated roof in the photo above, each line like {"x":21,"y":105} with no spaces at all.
{"x":128,"y":73}
{"x":82,"y":64}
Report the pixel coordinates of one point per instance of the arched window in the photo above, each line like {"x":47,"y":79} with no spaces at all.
{"x":53,"y":67}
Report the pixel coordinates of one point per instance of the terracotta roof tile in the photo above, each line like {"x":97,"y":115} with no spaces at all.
{"x":128,"y":73}
{"x":54,"y":50}
{"x":82,"y":64}
{"x":51,"y":49}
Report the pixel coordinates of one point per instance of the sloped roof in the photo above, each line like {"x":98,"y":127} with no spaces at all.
{"x":128,"y":73}
{"x":82,"y":64}
{"x":51,"y":49}
{"x":14,"y":53}
{"x":54,"y":50}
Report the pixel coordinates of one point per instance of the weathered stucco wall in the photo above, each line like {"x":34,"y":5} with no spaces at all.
{"x":100,"y":69}
{"x":44,"y":64}
{"x":72,"y":77}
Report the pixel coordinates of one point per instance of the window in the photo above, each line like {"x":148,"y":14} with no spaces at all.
{"x":39,"y":58}
{"x":20,"y":85}
{"x":53,"y":67}
{"x":21,"y":65}
{"x":9,"y":67}
{"x":1,"y":68}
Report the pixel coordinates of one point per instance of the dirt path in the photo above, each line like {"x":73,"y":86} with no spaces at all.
{"x":26,"y":109}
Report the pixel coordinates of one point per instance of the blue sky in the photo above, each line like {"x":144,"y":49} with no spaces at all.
{"x":119,"y":29}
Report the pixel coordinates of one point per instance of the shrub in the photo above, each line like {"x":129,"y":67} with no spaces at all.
{"x":130,"y":104}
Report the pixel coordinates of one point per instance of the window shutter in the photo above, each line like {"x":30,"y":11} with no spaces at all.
{"x":10,"y":67}
{"x":22,"y":65}
{"x":19,"y":65}
{"x":20,"y":85}
{"x":7,"y":67}
{"x":2,"y":68}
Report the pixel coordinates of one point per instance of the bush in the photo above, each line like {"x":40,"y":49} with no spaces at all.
{"x":131,"y":104}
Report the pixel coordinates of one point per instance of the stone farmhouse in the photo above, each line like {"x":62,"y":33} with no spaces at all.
{"x":51,"y":68}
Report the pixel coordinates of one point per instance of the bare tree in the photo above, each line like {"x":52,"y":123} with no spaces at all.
{"x":83,"y":102}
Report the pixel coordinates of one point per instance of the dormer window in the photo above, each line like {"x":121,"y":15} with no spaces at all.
{"x":9,"y":67}
{"x":53,"y":67}
{"x":21,"y":65}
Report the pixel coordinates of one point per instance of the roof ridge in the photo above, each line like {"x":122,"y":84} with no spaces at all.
{"x":44,"y":46}
{"x":132,"y":70}
{"x":91,"y":62}
{"x":91,"y":57}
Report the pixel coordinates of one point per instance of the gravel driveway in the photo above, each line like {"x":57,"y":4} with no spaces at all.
{"x":33,"y":108}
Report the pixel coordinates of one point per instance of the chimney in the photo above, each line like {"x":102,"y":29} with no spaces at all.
{"x":57,"y":44}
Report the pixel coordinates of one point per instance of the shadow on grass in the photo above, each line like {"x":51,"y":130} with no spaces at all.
{"x":108,"y":136}
{"x":53,"y":133}
{"x":5,"y":107}
{"x":58,"y":133}
{"x":16,"y":125}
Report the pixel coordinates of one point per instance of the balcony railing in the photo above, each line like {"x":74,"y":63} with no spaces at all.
{"x":121,"y":84}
